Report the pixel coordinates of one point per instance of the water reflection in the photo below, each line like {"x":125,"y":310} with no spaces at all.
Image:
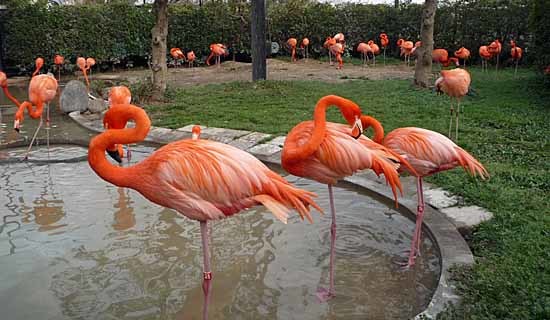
{"x":124,"y":216}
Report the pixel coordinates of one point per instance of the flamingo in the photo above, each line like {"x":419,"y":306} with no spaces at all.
{"x":119,"y":96}
{"x":339,"y":37}
{"x":42,"y":90}
{"x":406,"y":48}
{"x":200,"y":179}
{"x":81,"y":63}
{"x":327,"y":152}
{"x":304,"y":45}
{"x":485,"y":56}
{"x":195,"y":132}
{"x":191,"y":58}
{"x":292,"y":42}
{"x":39,"y":62}
{"x":177,"y":54}
{"x":375,"y":50}
{"x":417,"y":45}
{"x":428,"y":152}
{"x":329,"y":42}
{"x":58,"y":60}
{"x":90,"y":62}
{"x":364,"y":49}
{"x":4,"y":85}
{"x":337,"y":50}
{"x":463,"y":54}
{"x":217,"y":49}
{"x":455,"y":83}
{"x":516,"y":53}
{"x":494,"y":49}
{"x":384,"y":41}
{"x":441,"y":56}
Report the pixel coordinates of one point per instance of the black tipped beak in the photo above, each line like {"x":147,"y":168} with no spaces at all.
{"x":114,"y":154}
{"x":16,"y":130}
{"x":358,"y":135}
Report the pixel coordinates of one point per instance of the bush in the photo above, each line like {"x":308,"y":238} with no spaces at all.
{"x":540,"y":29}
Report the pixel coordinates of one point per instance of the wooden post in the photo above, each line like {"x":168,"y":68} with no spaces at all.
{"x":258,"y":39}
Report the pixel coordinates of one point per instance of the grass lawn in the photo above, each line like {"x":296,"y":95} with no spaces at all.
{"x":506,"y":125}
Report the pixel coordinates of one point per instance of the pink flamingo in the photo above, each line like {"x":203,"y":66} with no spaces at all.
{"x":200,"y":179}
{"x":364,"y":49}
{"x":337,"y":50}
{"x":516,"y":53}
{"x":90,"y":62}
{"x":119,"y":97}
{"x":191,"y":58}
{"x":304,"y":46}
{"x":292,"y":42}
{"x":375,"y":50}
{"x":428,"y":152}
{"x":217,"y":50}
{"x":58,"y":60}
{"x":39,"y":62}
{"x":455,"y":83}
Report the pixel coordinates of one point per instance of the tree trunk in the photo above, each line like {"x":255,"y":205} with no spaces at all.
{"x":423,"y":70}
{"x":396,"y":2}
{"x":158,"y":63}
{"x":258,"y":39}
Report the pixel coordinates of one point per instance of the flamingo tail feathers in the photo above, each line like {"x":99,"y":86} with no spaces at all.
{"x":278,"y":210}
{"x":386,"y":167}
{"x":470,"y":164}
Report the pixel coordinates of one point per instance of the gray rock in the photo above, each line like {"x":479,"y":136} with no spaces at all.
{"x":249,"y":140}
{"x":279,"y":141}
{"x":440,"y":198}
{"x":97,"y":106}
{"x":465,"y":218}
{"x":264,"y":150}
{"x":74,"y":97}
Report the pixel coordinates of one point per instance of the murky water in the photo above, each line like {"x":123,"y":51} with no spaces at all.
{"x":73,"y":246}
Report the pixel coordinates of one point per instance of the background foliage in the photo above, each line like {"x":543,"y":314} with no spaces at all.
{"x":118,"y":31}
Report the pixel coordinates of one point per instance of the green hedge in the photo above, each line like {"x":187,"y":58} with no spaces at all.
{"x":116,"y":31}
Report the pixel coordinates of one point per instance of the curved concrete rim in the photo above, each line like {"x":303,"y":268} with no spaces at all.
{"x":452,"y":247}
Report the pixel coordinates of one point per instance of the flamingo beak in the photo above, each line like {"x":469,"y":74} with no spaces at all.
{"x":194,"y":136}
{"x":114,"y":154}
{"x":357,"y":130}
{"x":16,"y":125}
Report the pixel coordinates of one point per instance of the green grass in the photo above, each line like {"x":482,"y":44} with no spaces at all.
{"x":390,"y":60}
{"x":506,"y":125}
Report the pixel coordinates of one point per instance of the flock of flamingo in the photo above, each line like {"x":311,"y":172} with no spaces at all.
{"x":206,"y":180}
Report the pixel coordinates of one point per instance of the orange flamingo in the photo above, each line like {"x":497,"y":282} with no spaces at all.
{"x":217,"y":49}
{"x":200,"y":179}
{"x":463,"y":54}
{"x":292,"y":42}
{"x":441,"y":56}
{"x":455,"y":83}
{"x":81,"y":63}
{"x":90,"y":62}
{"x":58,"y":60}
{"x":177,"y":55}
{"x":119,"y":97}
{"x":428,"y":152}
{"x":406,"y":48}
{"x":375,"y":50}
{"x":516,"y":53}
{"x":39,"y":62}
{"x":417,"y":45}
{"x":485,"y":57}
{"x":195,"y":132}
{"x":384,"y":41}
{"x":304,"y":46}
{"x":191,"y":58}
{"x":494,"y":49}
{"x":42,"y":90}
{"x":329,"y":42}
{"x":337,"y":50}
{"x":327,"y":152}
{"x":364,"y":49}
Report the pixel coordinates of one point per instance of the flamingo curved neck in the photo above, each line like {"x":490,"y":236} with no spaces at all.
{"x":367,"y":121}
{"x":9,"y":96}
{"x":299,"y":153}
{"x":122,"y":177}
{"x":35,"y":114}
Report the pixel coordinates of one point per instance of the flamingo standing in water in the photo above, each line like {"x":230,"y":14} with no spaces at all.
{"x":292,"y":42}
{"x":217,"y":49}
{"x":364,"y":49}
{"x":42,"y":90}
{"x":384,"y":41}
{"x":463,"y":54}
{"x":90,"y":62}
{"x":428,"y":152}
{"x":329,"y":42}
{"x":516,"y":53}
{"x":406,"y":48}
{"x":119,"y":97}
{"x":200,"y":179}
{"x":494,"y":49}
{"x":441,"y":56}
{"x":304,"y":46}
{"x":337,"y":50}
{"x":485,"y":57}
{"x":375,"y":50}
{"x":4,"y":85}
{"x":455,"y":83}
{"x":177,"y":55}
{"x":327,"y":152}
{"x":81,"y":63}
{"x":58,"y":60}
{"x":191,"y":58}
{"x":39,"y":62}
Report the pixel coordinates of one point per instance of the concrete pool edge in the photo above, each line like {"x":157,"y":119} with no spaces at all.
{"x":452,"y":247}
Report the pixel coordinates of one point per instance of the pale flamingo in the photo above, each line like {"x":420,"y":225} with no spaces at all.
{"x":485,"y":57}
{"x":191,"y":58}
{"x":455,"y":83}
{"x":329,"y":42}
{"x":39,"y":62}
{"x":200,"y":179}
{"x":516,"y":53}
{"x":406,"y":48}
{"x":428,"y":152}
{"x":337,"y":50}
{"x":417,"y":45}
{"x":327,"y":152}
{"x":90,"y":62}
{"x":494,"y":49}
{"x":384,"y":41}
{"x":42,"y":90}
{"x":304,"y":46}
{"x":364,"y":49}
{"x":81,"y":63}
{"x":375,"y":50}
{"x":217,"y":50}
{"x":463,"y":54}
{"x":177,"y":55}
{"x":339,"y":37}
{"x":119,"y":97}
{"x":58,"y":60}
{"x":292,"y":42}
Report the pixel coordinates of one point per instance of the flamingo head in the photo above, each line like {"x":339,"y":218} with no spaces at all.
{"x":455,"y":61}
{"x":90,"y":62}
{"x":191,"y":56}
{"x":3,"y":80}
{"x":305,"y":42}
{"x":81,"y":63}
{"x":196,"y":132}
{"x":58,"y":59}
{"x":512,"y":43}
{"x":115,"y":153}
{"x":400,"y":42}
{"x":120,"y":95}
{"x":352,"y":114}
{"x":39,"y":62}
{"x":437,"y":87}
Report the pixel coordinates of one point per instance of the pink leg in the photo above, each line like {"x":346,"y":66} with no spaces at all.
{"x":323,"y":294}
{"x":33,"y":138}
{"x":128,"y":153}
{"x":415,"y":244}
{"x":207,"y":274}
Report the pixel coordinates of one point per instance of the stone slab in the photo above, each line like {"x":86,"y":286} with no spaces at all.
{"x":97,"y":106}
{"x":440,"y":198}
{"x":189,"y":128}
{"x":264,"y":150}
{"x":465,"y":218}
{"x":74,"y":97}
{"x":279,"y":141}
{"x":249,"y":140}
{"x":159,"y":134}
{"x":223,"y":135}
